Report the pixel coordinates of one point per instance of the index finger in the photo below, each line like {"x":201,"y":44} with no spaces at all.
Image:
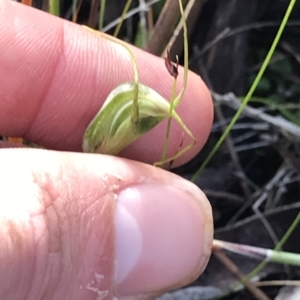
{"x":55,"y":75}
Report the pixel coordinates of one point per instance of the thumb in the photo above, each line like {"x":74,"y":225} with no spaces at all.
{"x":82,"y":226}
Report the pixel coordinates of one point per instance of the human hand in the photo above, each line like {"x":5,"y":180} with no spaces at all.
{"x":82,"y":226}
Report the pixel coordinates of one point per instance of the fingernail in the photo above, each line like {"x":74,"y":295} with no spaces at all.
{"x":161,"y":238}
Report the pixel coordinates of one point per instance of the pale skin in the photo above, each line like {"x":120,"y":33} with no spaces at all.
{"x":59,"y":207}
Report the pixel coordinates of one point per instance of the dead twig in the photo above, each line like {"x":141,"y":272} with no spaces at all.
{"x":285,"y":126}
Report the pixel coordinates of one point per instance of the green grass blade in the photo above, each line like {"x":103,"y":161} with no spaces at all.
{"x":74,"y":10}
{"x":125,"y":10}
{"x":54,"y":7}
{"x":101,"y":13}
{"x":175,"y":101}
{"x":251,"y":90}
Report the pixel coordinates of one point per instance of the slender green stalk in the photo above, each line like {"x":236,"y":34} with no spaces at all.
{"x":252,"y":88}
{"x":132,"y":57}
{"x":54,"y":7}
{"x":186,"y":55}
{"x":288,"y":233}
{"x":101,"y":13}
{"x":74,"y":10}
{"x":125,"y":10}
{"x":165,"y":149}
{"x":175,"y":101}
{"x":135,"y":111}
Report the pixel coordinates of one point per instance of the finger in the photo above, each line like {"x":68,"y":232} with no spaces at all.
{"x":55,"y":76}
{"x":76,"y":226}
{"x":6,"y":144}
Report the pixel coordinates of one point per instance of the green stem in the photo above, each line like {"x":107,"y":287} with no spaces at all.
{"x":175,"y":101}
{"x":164,"y":154}
{"x":125,"y":10}
{"x":74,"y":10}
{"x":186,"y":55}
{"x":101,"y":14}
{"x":54,"y":7}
